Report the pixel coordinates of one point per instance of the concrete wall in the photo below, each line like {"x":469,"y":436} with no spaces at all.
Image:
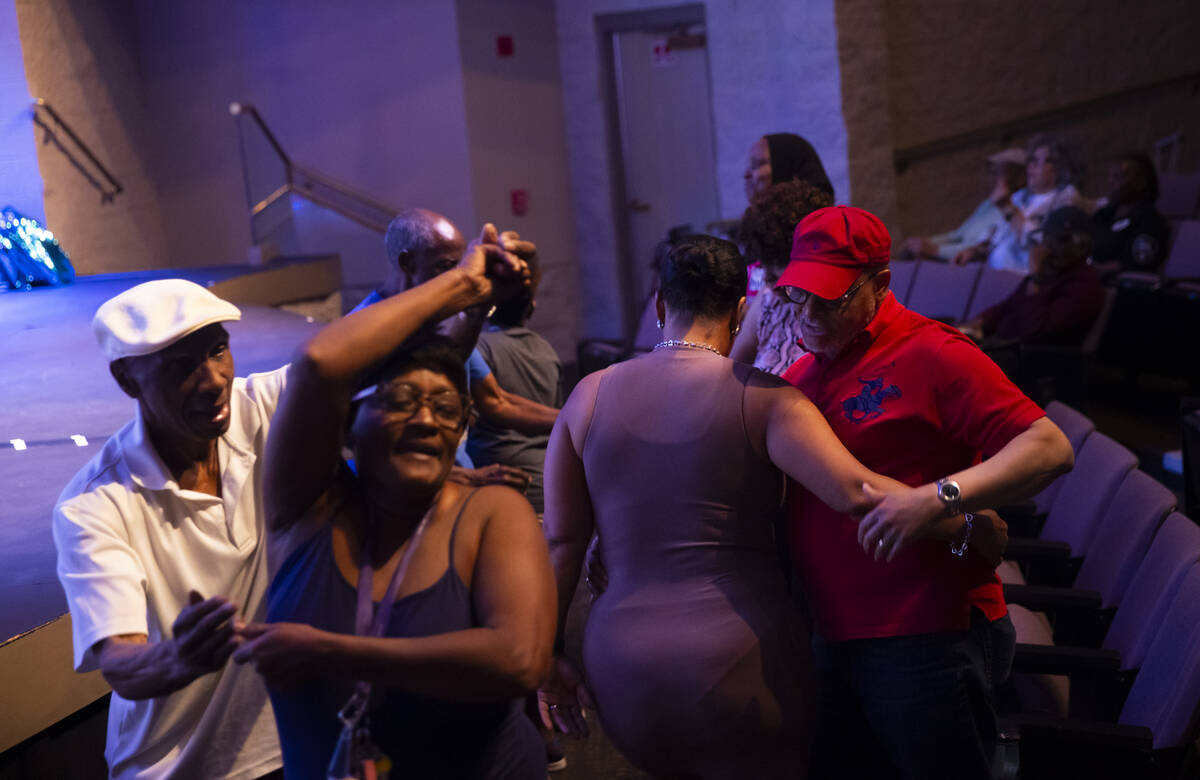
{"x":372,"y":97}
{"x":774,"y":67}
{"x":379,"y":96}
{"x":18,"y":154}
{"x":954,"y":67}
{"x":517,"y":140}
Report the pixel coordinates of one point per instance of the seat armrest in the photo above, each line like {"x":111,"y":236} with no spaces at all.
{"x":1024,"y":520}
{"x":1041,"y":598}
{"x":1051,"y":659}
{"x":1044,"y":562}
{"x":1087,"y":732}
{"x":1027,"y":549}
{"x":1137,"y":280}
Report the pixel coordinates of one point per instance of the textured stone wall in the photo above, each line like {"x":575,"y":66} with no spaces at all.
{"x":773,"y":67}
{"x":954,"y":67}
{"x":863,"y":56}
{"x":369,"y":94}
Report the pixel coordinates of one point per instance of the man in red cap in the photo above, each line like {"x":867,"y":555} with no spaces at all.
{"x":905,"y":687}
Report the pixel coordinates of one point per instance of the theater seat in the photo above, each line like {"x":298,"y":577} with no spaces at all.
{"x":1100,"y":468}
{"x":1075,"y":425}
{"x":942,"y":291}
{"x":1154,"y":734}
{"x":1178,"y":195}
{"x":1082,"y":613}
{"x":994,"y":286}
{"x":903,"y":272}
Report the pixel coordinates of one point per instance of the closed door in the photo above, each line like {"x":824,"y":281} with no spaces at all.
{"x":665,"y":121}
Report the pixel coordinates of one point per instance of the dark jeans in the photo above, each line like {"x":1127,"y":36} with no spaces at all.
{"x":997,"y":640}
{"x":903,"y":707}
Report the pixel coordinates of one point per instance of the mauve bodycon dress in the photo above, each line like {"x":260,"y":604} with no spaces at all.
{"x":697,"y":658}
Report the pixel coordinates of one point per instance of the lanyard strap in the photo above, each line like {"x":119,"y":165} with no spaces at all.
{"x":363,"y":624}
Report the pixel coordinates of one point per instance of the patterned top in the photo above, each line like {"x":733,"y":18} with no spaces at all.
{"x":778,"y":333}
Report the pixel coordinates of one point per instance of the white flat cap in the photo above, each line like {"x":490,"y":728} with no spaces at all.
{"x":154,"y":315}
{"x":1010,"y":156}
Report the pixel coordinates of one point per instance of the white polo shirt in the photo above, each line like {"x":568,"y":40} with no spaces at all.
{"x":131,"y":545}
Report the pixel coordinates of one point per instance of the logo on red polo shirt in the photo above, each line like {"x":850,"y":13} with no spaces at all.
{"x":868,"y":404}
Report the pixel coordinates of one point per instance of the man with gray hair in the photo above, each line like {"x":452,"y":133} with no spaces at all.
{"x":422,"y":244}
{"x":160,"y":541}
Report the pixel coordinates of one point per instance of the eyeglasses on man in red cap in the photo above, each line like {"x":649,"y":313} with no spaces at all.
{"x":830,"y":249}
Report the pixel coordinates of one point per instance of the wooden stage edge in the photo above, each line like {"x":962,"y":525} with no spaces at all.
{"x":39,"y":687}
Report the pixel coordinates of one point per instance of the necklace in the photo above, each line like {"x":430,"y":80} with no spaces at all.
{"x":685,"y":343}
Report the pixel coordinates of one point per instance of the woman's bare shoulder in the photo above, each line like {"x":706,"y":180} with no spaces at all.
{"x":760,"y":381}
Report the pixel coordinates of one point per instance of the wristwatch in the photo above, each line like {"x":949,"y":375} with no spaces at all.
{"x":950,"y":495}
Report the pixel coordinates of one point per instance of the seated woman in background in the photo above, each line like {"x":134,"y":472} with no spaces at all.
{"x":697,"y":657}
{"x":768,"y":338}
{"x":1128,"y":234}
{"x":1049,"y":172}
{"x":438,"y":594}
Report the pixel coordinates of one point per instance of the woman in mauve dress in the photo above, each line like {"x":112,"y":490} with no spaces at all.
{"x":697,"y":661}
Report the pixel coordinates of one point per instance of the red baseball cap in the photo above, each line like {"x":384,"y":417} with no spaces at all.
{"x":831,"y":247}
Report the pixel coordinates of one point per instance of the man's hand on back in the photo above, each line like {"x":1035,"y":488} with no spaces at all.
{"x":203,"y":634}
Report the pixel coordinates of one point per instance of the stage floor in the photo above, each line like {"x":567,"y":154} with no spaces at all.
{"x":54,"y":388}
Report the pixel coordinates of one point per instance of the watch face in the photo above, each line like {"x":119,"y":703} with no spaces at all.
{"x":949,"y":492}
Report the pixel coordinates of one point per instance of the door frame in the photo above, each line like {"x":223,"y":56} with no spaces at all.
{"x":607,"y":27}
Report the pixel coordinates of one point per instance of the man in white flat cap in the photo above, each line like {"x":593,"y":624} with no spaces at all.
{"x":160,"y":542}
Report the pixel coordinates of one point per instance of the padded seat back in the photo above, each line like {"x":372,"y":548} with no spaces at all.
{"x":1183,"y":262}
{"x":1075,"y":425}
{"x":1077,"y":428}
{"x":903,"y":272}
{"x":943,"y":290}
{"x":1100,"y":467}
{"x":1178,"y":194}
{"x":995,"y":284}
{"x":1130,"y":521}
{"x":1175,"y":549}
{"x":1166,"y":692}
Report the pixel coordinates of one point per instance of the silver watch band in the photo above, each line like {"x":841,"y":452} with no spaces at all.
{"x":960,"y":548}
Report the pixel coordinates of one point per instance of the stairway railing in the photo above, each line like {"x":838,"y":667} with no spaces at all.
{"x":269,"y":182}
{"x":50,"y":121}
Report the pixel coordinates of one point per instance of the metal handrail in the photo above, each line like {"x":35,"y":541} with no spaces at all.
{"x":304,"y":172}
{"x":106,"y":195}
{"x":300,"y":180}
{"x":237,"y":109}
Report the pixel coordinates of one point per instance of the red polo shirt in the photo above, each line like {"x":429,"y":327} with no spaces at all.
{"x":914,"y":400}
